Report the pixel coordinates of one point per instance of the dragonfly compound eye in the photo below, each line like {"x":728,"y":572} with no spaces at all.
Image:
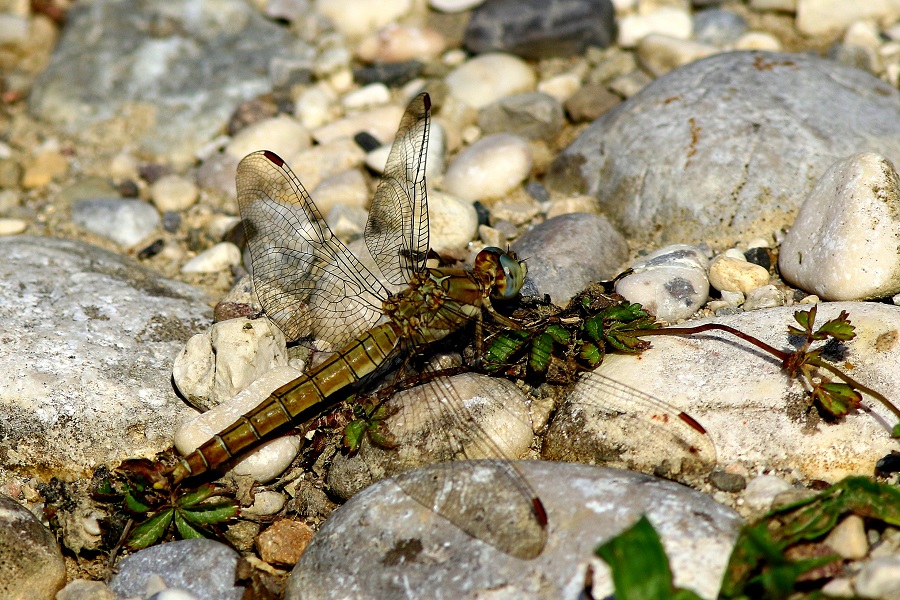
{"x":506,"y":271}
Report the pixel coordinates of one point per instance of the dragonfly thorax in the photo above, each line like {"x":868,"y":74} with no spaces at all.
{"x":436,"y":303}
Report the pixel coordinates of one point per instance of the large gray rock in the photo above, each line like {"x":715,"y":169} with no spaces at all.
{"x":32,"y":567}
{"x":382,"y":544}
{"x":87,"y":348}
{"x":174,"y":69}
{"x":727,"y":147}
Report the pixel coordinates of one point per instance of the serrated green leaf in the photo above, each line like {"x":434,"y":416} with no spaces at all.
{"x":806,"y":318}
{"x":185,"y":529}
{"x":353,"y":434}
{"x":208,"y":514}
{"x":136,"y":504}
{"x":593,"y":327}
{"x":591,"y":354}
{"x":837,"y":398}
{"x":539,"y":357}
{"x":199,"y":495}
{"x":839,"y":328}
{"x":559,"y":334}
{"x":148,"y":533}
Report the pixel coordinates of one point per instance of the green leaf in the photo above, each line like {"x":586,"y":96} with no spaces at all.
{"x":640,"y":568}
{"x":593,"y":327}
{"x":149,"y":532}
{"x":806,"y":318}
{"x":559,"y":334}
{"x":185,"y":529}
{"x":208,"y":514}
{"x":839,"y":328}
{"x":353,"y":434}
{"x":199,"y":495}
{"x":136,"y":504}
{"x":895,"y":432}
{"x":591,"y":354}
{"x":539,"y":357}
{"x":837,"y":398}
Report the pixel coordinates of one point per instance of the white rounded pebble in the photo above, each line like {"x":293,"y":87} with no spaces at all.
{"x":765,"y":296}
{"x":667,"y":20}
{"x":195,"y":432}
{"x":348,"y":188}
{"x":282,"y":135}
{"x":561,"y":87}
{"x":380,"y":122}
{"x":400,"y":43}
{"x":356,"y":18}
{"x":819,"y":17}
{"x":761,"y":491}
{"x":218,"y":258}
{"x":124,"y":166}
{"x":843,"y":244}
{"x":879,"y":578}
{"x":453,"y":222}
{"x":736,"y":275}
{"x":671,"y":282}
{"x":788,"y":6}
{"x":489,"y":77}
{"x":315,"y":107}
{"x":373,"y":94}
{"x":322,"y":161}
{"x":266,"y":502}
{"x":489,"y":168}
{"x":757,"y":40}
{"x":452,"y":6}
{"x":848,"y":538}
{"x":660,"y":53}
{"x":12,"y":226}
{"x":173,"y":192}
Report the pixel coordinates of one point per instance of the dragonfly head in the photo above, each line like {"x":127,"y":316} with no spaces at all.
{"x":503,"y":271}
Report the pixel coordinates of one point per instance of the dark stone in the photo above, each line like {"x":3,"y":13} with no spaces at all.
{"x":390,"y":74}
{"x":366,"y":141}
{"x":727,"y":482}
{"x":590,"y":102}
{"x":539,"y":29}
{"x":534,"y":116}
{"x":759,"y":256}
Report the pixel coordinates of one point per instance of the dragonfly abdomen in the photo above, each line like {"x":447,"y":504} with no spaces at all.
{"x":358,"y":359}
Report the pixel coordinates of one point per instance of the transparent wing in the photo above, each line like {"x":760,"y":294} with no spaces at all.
{"x":303,"y":275}
{"x":397,"y":229}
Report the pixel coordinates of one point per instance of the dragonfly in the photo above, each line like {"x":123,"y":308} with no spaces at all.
{"x":311,"y":285}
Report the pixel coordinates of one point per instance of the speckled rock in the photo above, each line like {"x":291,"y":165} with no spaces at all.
{"x":585,"y":506}
{"x":568,"y":252}
{"x":843,"y":244}
{"x":532,"y":116}
{"x":172,"y":71}
{"x":116,"y":327}
{"x":32,"y":567}
{"x":754,"y":414}
{"x":675,"y":162}
{"x":534,"y":30}
{"x":205,"y":568}
{"x":671,"y":282}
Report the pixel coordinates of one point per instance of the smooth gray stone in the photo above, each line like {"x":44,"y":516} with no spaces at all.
{"x":727,"y":147}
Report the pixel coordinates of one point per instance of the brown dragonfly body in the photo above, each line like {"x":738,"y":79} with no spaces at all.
{"x":436,"y":303}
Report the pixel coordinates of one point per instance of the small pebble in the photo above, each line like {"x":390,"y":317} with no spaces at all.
{"x":661,"y":53}
{"x":374,"y":94}
{"x":758,"y":40}
{"x":126,"y":221}
{"x":220,"y":257}
{"x":671,"y":282}
{"x":761,"y":491}
{"x":718,"y":26}
{"x":759,"y":256}
{"x":266,"y":502}
{"x":561,"y":87}
{"x":489,"y":77}
{"x":356,"y":18}
{"x":879,"y":578}
{"x":400,"y":43}
{"x":453,"y":222}
{"x":667,"y":20}
{"x":818,"y":17}
{"x":380,"y":122}
{"x":532,"y":116}
{"x":43,"y":168}
{"x":347,"y":222}
{"x":84,"y":589}
{"x":848,"y":538}
{"x":283,"y":542}
{"x":727,"y":482}
{"x":452,"y":6}
{"x":489,"y":168}
{"x":765,"y":296}
{"x":315,"y":107}
{"x":10,"y":173}
{"x":736,"y":275}
{"x":174,"y":193}
{"x":590,"y":102}
{"x":346,"y":188}
{"x":282,"y":135}
{"x":12,"y":226}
